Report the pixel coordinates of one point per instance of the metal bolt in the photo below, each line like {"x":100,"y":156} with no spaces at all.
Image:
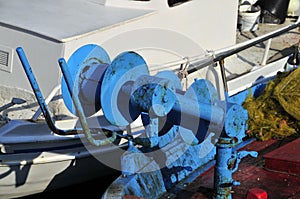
{"x":165,"y":99}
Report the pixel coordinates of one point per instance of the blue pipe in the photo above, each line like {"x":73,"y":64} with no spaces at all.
{"x":227,"y":163}
{"x":39,"y":96}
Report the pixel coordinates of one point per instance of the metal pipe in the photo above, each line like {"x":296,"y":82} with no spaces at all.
{"x":39,"y":96}
{"x":266,"y":52}
{"x":223,"y":53}
{"x":223,"y":169}
{"x":173,"y":101}
{"x":46,"y":112}
{"x":223,"y":74}
{"x":47,"y":100}
{"x":13,"y":102}
{"x":227,"y":163}
{"x":195,"y":109}
{"x":218,"y":55}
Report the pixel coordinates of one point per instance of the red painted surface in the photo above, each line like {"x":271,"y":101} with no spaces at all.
{"x":276,"y":185}
{"x":252,"y":174}
{"x":259,"y":146}
{"x":257,"y":193}
{"x":257,"y":180}
{"x":285,"y":158}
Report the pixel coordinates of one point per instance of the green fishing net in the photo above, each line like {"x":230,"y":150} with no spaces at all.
{"x":275,"y":114}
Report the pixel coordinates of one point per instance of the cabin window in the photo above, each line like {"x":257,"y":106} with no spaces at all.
{"x":173,"y":3}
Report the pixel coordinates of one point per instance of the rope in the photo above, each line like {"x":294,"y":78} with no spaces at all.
{"x":183,"y":73}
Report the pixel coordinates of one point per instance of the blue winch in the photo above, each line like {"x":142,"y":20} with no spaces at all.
{"x":124,"y":89}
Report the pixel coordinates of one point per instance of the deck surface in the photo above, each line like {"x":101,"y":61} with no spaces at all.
{"x":281,"y":46}
{"x":285,"y":159}
{"x":252,"y":173}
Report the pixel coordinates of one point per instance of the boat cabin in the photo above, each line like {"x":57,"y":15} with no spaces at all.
{"x":160,"y":30}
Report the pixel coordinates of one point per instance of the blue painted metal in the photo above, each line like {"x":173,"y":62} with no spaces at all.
{"x":124,"y":89}
{"x":203,"y":91}
{"x":199,"y":102}
{"x":254,"y":91}
{"x":192,"y":109}
{"x":124,"y":69}
{"x":129,"y":93}
{"x":235,"y":122}
{"x":89,"y":83}
{"x":198,"y":107}
{"x":87,"y":66}
{"x":227,"y":163}
{"x":153,"y":94}
{"x":79,"y":108}
{"x":204,"y":95}
{"x":293,"y":61}
{"x":39,"y":96}
{"x":239,"y":99}
{"x":127,"y":90}
{"x":174,"y":83}
{"x":166,"y":122}
{"x":33,"y":82}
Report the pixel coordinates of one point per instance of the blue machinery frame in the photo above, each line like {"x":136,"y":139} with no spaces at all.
{"x":155,"y":98}
{"x":91,"y":82}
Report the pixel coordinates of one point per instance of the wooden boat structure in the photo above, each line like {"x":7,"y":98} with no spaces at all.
{"x":117,"y":100}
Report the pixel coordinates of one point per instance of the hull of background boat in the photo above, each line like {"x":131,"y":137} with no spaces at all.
{"x":28,"y":178}
{"x":38,"y":164}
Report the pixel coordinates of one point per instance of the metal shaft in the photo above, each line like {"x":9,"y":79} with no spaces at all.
{"x":39,"y":96}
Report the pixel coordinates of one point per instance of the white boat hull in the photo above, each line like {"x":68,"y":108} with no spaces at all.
{"x":59,"y":162}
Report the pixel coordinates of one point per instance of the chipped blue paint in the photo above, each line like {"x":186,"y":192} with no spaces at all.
{"x":126,"y":66}
{"x":84,"y":64}
{"x":227,"y":163}
{"x":178,"y":138}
